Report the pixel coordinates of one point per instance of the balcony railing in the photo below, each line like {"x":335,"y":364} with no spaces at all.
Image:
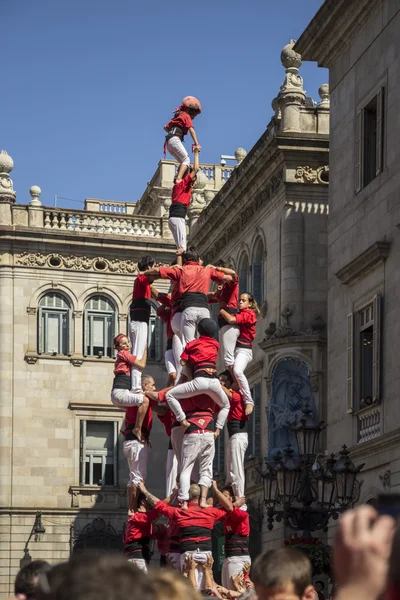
{"x":369,"y":424}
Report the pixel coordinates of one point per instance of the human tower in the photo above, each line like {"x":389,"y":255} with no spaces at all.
{"x":197,"y":401}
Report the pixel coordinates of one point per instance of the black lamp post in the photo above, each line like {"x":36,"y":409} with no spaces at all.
{"x":37,"y":530}
{"x":301,"y":493}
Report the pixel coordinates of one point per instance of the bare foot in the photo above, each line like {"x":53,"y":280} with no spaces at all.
{"x":184,"y":505}
{"x":203,"y":503}
{"x":138,"y":432}
{"x":130,"y":513}
{"x":185,"y":424}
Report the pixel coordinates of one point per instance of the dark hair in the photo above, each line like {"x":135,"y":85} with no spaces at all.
{"x":208,"y":327}
{"x":228,"y":488}
{"x":190,"y":254}
{"x":275,"y":568}
{"x":227,"y":374}
{"x":141,"y":499}
{"x":26,"y":581}
{"x":252,"y":300}
{"x":146,"y":262}
{"x":222,"y":263}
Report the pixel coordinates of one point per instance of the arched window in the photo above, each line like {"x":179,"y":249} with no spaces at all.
{"x":100,"y":319}
{"x":257,"y":273}
{"x":54,"y":319}
{"x":244,"y":275}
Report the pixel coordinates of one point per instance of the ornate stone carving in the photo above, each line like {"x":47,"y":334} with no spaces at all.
{"x":77,"y":362}
{"x":269,"y":332}
{"x":31,"y":359}
{"x":314,"y":378}
{"x":317,"y":326}
{"x":77,"y":314}
{"x":6,"y":184}
{"x":309,"y":175}
{"x":35,"y":192}
{"x":385,"y":479}
{"x":268,"y":382}
{"x":31,"y":310}
{"x":76,"y":263}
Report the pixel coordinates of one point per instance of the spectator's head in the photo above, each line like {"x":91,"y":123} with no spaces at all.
{"x":226,"y":378}
{"x":208,"y":328}
{"x":190,"y":255}
{"x":194,"y":493}
{"x":148,"y":383}
{"x":283,"y":574}
{"x":146,"y":262}
{"x":26,"y":581}
{"x":170,"y":585}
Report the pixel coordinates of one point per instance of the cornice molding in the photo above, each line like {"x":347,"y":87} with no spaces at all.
{"x":364,"y":262}
{"x":87,"y":407}
{"x":366,"y":449}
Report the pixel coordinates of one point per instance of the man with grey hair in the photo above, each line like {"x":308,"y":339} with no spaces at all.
{"x":136,"y":451}
{"x":196,"y":525}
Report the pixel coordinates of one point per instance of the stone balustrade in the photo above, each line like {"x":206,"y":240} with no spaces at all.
{"x":369,"y":424}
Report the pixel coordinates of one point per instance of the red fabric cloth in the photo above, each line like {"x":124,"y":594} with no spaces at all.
{"x":165,"y":299}
{"x":191,"y":277}
{"x":183,"y":120}
{"x":237,"y":410}
{"x":193,"y":516}
{"x":139,"y":525}
{"x":160,"y":533}
{"x":141,"y":287}
{"x":123,"y":362}
{"x":164,"y":312}
{"x":247,"y":320}
{"x":166,"y":420}
{"x":237,"y":521}
{"x":228,"y":297}
{"x":202,"y":350}
{"x":182,"y":191}
{"x":131,"y":414}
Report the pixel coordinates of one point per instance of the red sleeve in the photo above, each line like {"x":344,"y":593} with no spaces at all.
{"x":127,"y":356}
{"x":216,"y":275}
{"x":246,"y":317}
{"x":172,"y":273}
{"x":161,"y":395}
{"x":186,"y":119}
{"x":164,"y":313}
{"x":165,"y":510}
{"x":164,"y":299}
{"x":186,"y":353}
{"x":217,"y":513}
{"x":238,"y":515}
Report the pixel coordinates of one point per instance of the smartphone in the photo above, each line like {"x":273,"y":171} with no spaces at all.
{"x":389,"y":504}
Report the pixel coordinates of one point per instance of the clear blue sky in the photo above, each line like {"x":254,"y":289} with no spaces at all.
{"x":89,"y":84}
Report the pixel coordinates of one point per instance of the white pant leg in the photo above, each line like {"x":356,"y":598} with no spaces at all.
{"x":174,"y":560}
{"x":191,"y":447}
{"x":178,"y":151}
{"x":201,"y":558}
{"x":228,"y":335}
{"x":177,"y":347}
{"x":243,"y":356}
{"x":140,"y":563}
{"x":237,"y":445}
{"x":137,"y":455}
{"x":206,"y":457}
{"x":231,"y":566}
{"x":190,"y":319}
{"x":177,"y":226}
{"x":138,"y":332}
{"x":177,"y":434}
{"x":125,"y":398}
{"x":199,"y":385}
{"x":169,"y":361}
{"x":228,"y":459}
{"x":171,"y":471}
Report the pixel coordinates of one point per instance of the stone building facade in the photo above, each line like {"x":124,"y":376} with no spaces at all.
{"x":358,"y":42}
{"x":269,"y":221}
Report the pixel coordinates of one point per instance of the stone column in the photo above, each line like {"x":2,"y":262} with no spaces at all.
{"x":291,"y":96}
{"x":7,"y":194}
{"x":323,"y":109}
{"x":292,"y":268}
{"x":35,"y":208}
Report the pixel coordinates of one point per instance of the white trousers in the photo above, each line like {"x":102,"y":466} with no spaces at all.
{"x":243,"y":356}
{"x":174,"y":560}
{"x":177,"y":226}
{"x":234,"y":462}
{"x":231,"y":566}
{"x":228,"y":335}
{"x":190,"y":320}
{"x":171,"y":471}
{"x":125,"y":398}
{"x":178,"y":151}
{"x":137,"y":455}
{"x":195,"y":446}
{"x":201,"y":558}
{"x":199,"y":385}
{"x":177,"y":347}
{"x":140,"y":563}
{"x":177,"y":435}
{"x":138,"y":332}
{"x":169,"y":361}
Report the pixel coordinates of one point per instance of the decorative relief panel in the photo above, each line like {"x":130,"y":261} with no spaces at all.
{"x":76,"y":263}
{"x":310,"y":175}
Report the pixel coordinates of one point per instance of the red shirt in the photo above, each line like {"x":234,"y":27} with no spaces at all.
{"x":193,"y":516}
{"x":166,"y":420}
{"x":141,"y":287}
{"x":160,"y":534}
{"x":123,"y":362}
{"x":182,"y":191}
{"x":164,"y":312}
{"x":247,"y":319}
{"x":203,"y":350}
{"x":237,"y":521}
{"x":139,"y":526}
{"x":237,"y":410}
{"x":173,"y":536}
{"x":130,"y":418}
{"x":191,"y":277}
{"x":183,"y":120}
{"x":228,"y":297}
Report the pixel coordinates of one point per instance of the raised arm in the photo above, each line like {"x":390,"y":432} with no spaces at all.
{"x":194,"y":137}
{"x":152,"y":500}
{"x":231,"y":319}
{"x":223,"y":500}
{"x":154,"y":272}
{"x":193,"y":174}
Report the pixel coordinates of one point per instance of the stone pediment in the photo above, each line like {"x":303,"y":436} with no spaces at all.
{"x":364,"y":262}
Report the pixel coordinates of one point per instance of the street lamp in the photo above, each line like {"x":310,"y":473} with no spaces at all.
{"x":37,"y":530}
{"x":345,"y":473}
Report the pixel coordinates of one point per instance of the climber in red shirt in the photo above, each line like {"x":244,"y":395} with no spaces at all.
{"x":138,"y":531}
{"x":177,"y":128}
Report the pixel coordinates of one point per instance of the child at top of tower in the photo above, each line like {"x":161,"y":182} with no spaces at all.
{"x":181,"y":197}
{"x":177,"y":128}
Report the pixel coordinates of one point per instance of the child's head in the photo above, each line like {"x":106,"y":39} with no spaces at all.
{"x":188,"y":170}
{"x":190,"y":255}
{"x":208,"y":327}
{"x":283,"y":574}
{"x":247,"y":300}
{"x":121,"y":342}
{"x":146,"y":262}
{"x":226,"y":378}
